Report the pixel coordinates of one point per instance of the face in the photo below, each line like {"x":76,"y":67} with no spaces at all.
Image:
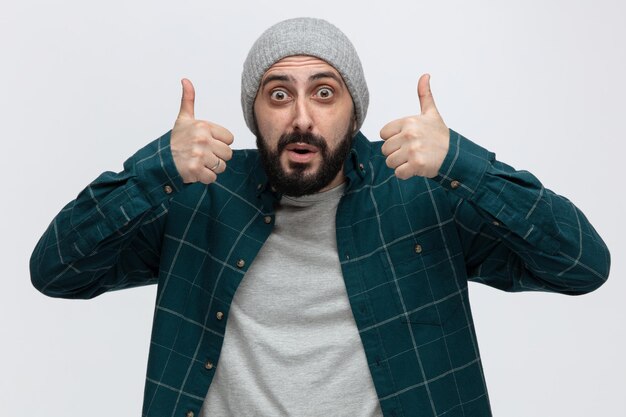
{"x":305,"y":118}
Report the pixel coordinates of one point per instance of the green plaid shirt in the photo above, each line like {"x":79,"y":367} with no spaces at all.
{"x":407,"y":251}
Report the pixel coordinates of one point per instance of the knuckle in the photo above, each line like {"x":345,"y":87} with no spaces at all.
{"x":418,"y":159}
{"x":201,"y":140}
{"x":202,"y":125}
{"x":414,"y":151}
{"x":399,"y":173}
{"x":412,"y":132}
{"x":194,"y":167}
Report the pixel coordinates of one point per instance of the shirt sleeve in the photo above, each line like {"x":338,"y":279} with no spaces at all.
{"x":109,"y":237}
{"x":516,"y":234}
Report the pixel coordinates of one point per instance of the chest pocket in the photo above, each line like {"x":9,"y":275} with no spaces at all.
{"x":424,"y":270}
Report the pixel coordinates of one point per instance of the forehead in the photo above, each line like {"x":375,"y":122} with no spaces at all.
{"x":300,"y":64}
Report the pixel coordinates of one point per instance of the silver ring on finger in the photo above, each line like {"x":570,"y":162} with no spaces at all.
{"x":217,"y":165}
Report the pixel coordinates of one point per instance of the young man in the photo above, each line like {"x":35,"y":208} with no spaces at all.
{"x":322,"y":275}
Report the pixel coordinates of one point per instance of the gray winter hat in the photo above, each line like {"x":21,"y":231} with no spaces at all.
{"x":303,"y":36}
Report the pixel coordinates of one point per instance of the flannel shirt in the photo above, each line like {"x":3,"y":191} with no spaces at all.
{"x":407,"y":251}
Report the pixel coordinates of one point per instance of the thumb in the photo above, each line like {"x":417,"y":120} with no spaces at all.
{"x":187,"y":101}
{"x":427,"y":102}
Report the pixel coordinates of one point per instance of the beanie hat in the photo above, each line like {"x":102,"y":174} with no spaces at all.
{"x":303,"y":36}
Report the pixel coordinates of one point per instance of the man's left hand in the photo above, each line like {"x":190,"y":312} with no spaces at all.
{"x":417,"y":145}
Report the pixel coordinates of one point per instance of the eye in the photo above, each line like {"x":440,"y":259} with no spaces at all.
{"x":325,"y":92}
{"x":279,"y":95}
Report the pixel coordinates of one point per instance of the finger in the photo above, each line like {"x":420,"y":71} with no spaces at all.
{"x":391,"y":129}
{"x":391,"y":145}
{"x":427,"y":102}
{"x":207,"y":176}
{"x":187,"y":100}
{"x":404,"y":171}
{"x":217,"y":165}
{"x":396,"y":159}
{"x":221,"y":150}
{"x":222,"y":134}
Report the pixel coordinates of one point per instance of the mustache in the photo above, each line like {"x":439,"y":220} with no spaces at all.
{"x":307,"y":137}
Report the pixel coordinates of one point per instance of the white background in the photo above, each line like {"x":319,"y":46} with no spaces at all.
{"x":83,"y":85}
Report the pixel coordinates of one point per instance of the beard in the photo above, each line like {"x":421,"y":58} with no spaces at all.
{"x":297,"y":182}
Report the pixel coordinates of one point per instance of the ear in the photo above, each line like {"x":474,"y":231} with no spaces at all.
{"x":354,"y":125}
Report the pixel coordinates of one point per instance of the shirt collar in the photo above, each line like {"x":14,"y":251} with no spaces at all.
{"x":356,"y":165}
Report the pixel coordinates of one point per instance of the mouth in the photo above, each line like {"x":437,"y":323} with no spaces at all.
{"x":301,"y":152}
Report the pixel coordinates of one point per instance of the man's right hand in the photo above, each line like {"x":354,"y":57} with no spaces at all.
{"x":200,"y":148}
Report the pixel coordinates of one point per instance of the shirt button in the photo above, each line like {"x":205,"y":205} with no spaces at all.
{"x":241,"y":263}
{"x":267,"y":219}
{"x":495,"y":223}
{"x":455,"y":184}
{"x":259,"y":186}
{"x":167,"y":189}
{"x":361,"y":167}
{"x":219,"y":315}
{"x":208,"y":365}
{"x":418,"y":248}
{"x":189,"y":414}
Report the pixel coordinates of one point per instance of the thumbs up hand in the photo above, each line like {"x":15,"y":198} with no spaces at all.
{"x":200,"y":149}
{"x":417,"y":145}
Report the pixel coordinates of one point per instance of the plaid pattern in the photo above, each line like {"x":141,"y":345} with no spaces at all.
{"x":407,"y":251}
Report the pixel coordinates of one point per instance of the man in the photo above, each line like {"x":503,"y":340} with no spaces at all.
{"x":324,"y":275}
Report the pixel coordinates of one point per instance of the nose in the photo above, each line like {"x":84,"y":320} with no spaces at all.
{"x":302,"y":118}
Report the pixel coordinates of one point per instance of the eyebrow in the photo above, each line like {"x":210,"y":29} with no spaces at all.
{"x":276,"y":77}
{"x":316,"y":76}
{"x":327,"y":74}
